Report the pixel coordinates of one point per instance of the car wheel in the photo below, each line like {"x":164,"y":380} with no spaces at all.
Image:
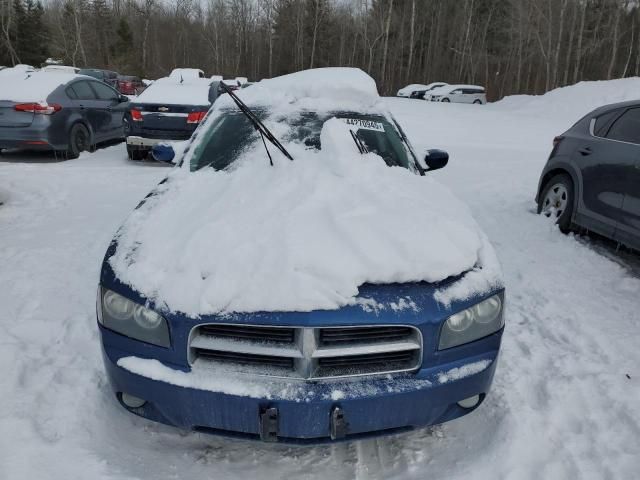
{"x":556,"y":201}
{"x":136,"y":153}
{"x":446,"y":100}
{"x":477,"y":102}
{"x":79,"y":141}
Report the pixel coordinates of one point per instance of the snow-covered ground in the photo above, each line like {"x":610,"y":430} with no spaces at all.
{"x":564,"y":402}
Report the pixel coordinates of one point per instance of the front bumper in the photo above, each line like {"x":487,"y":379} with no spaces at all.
{"x":144,"y":142}
{"x":373,"y":406}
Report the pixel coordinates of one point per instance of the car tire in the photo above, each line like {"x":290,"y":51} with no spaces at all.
{"x":446,"y":100}
{"x":557,"y":200}
{"x":79,"y":141}
{"x":136,"y":154}
{"x":477,"y":102}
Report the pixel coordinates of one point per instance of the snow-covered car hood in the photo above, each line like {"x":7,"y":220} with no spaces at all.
{"x":302,"y":235}
{"x":406,"y":91}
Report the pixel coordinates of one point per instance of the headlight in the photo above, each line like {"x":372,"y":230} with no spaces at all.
{"x":473,"y":323}
{"x":126,"y":317}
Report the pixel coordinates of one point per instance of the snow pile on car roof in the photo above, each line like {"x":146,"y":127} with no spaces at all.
{"x":21,"y":86}
{"x":170,"y":91}
{"x":319,"y":89}
{"x":299,"y":236}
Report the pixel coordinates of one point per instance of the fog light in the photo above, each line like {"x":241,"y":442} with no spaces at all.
{"x":131,"y":401}
{"x":469,"y":402}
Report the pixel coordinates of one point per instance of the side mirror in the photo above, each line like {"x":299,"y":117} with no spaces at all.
{"x":123,"y":98}
{"x":436,"y":159}
{"x":163,"y":153}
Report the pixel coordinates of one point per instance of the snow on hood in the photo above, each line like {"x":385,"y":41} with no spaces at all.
{"x":302,"y":235}
{"x":22,"y":86}
{"x":169,"y":91}
{"x":412,"y":88}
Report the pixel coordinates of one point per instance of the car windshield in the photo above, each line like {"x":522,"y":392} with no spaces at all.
{"x":231,"y":133}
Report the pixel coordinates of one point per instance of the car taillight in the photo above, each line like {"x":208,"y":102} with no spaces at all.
{"x":557,"y":140}
{"x":136,"y":115}
{"x":41,"y":108}
{"x":195,"y":117}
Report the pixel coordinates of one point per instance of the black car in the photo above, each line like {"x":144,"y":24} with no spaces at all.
{"x":60,"y":112}
{"x":592,"y":178}
{"x":167,"y":110}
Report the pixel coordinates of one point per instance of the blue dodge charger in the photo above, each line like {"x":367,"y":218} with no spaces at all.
{"x":301,"y":376}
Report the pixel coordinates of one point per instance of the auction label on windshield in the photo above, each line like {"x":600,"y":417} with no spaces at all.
{"x":366,"y":124}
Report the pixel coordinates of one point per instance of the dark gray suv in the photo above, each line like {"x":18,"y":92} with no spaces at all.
{"x":592,"y":177}
{"x":66,"y":113}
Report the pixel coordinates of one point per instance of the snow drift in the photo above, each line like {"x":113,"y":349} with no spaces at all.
{"x":302,"y":235}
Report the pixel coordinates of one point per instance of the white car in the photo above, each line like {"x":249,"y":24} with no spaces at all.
{"x":60,"y":68}
{"x":458,"y":94}
{"x":184,"y":74}
{"x":418,"y":90}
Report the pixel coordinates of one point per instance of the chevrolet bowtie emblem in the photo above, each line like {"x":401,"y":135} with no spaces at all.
{"x":163,"y":109}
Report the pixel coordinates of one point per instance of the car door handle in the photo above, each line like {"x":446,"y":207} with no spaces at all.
{"x":585,"y":151}
{"x":81,"y":107}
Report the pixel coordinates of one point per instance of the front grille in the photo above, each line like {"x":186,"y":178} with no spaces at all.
{"x":340,"y":336}
{"x":306,"y":353}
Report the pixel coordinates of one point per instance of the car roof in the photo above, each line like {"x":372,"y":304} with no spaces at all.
{"x":614,"y":106}
{"x":321,"y":90}
{"x":35,"y":86}
{"x":167,"y":90}
{"x":462,"y":85}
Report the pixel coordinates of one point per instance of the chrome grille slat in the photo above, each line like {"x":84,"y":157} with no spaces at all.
{"x":339,"y":335}
{"x":250,"y":333}
{"x":267,"y":360}
{"x":306,"y":352}
{"x":208,"y":342}
{"x":365,"y":359}
{"x":360,"y":349}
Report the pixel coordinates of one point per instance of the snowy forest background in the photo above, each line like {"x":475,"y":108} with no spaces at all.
{"x":511,"y":46}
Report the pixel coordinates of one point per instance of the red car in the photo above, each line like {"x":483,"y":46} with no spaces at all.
{"x":129,"y":85}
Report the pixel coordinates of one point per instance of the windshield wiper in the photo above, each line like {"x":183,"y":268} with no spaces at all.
{"x":257,"y":124}
{"x":362,"y":148}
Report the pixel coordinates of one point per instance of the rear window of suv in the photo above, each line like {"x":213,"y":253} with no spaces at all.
{"x":627,"y":127}
{"x":603,"y":123}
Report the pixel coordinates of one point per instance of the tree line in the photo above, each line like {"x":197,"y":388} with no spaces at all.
{"x":509,"y":46}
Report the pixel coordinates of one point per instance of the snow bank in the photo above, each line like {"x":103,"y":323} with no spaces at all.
{"x":574,"y":101}
{"x":169,"y":91}
{"x":300,"y":236}
{"x":21,"y":86}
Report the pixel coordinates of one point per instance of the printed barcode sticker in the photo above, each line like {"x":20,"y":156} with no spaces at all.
{"x":366,"y":124}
